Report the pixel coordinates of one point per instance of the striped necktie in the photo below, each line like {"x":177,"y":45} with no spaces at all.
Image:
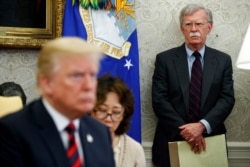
{"x":195,"y":89}
{"x":72,"y":152}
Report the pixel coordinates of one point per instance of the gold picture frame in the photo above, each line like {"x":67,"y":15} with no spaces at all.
{"x":34,"y":38}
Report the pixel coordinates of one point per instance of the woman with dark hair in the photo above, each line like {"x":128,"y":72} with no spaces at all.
{"x":114,"y":108}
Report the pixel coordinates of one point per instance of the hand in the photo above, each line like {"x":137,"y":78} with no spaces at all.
{"x":191,"y":131}
{"x":198,"y":145}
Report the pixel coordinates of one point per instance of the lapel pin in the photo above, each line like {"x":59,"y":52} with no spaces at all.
{"x":89,"y":138}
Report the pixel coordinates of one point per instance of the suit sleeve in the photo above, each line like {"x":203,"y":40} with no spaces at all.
{"x":163,"y":78}
{"x":221,"y":96}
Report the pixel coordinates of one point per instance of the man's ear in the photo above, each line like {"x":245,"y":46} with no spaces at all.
{"x":182,"y":29}
{"x":210,"y":27}
{"x":45,"y":84}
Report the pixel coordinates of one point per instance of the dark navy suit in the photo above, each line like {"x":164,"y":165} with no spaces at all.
{"x":29,"y":138}
{"x":170,"y":96}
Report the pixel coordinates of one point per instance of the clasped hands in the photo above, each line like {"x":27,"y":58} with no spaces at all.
{"x":192,"y":133}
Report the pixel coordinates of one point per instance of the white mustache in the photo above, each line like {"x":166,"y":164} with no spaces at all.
{"x":194,"y":34}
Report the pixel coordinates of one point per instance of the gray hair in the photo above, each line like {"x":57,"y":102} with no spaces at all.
{"x":192,"y":8}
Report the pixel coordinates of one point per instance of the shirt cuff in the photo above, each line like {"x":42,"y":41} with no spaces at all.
{"x":207,"y":126}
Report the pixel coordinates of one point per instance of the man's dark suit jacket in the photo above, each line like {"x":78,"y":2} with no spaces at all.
{"x":170,"y":96}
{"x":29,"y":138}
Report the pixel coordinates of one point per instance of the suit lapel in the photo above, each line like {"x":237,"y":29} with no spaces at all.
{"x":181,"y":66}
{"x":50,"y":135}
{"x":208,"y":73}
{"x":87,"y":140}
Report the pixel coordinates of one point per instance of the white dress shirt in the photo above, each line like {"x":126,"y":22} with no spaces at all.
{"x":190,"y":59}
{"x":61,"y":123}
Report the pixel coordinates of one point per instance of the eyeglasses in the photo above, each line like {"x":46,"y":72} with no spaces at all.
{"x":189,"y":25}
{"x":103,"y":113}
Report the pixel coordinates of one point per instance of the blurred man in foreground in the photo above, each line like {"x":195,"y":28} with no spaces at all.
{"x":56,"y":130}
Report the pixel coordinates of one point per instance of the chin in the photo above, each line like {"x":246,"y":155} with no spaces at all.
{"x":195,"y":41}
{"x":87,"y":108}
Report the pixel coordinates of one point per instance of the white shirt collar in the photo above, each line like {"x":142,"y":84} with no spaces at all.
{"x":59,"y":119}
{"x":190,"y":52}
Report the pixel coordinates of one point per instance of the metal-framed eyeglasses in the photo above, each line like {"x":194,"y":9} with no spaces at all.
{"x":103,"y":114}
{"x":189,"y":25}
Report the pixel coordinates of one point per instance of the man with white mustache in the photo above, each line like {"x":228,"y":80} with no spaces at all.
{"x":171,"y":83}
{"x":194,"y":34}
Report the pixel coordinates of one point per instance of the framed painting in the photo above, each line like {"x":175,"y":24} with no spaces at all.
{"x":29,"y":24}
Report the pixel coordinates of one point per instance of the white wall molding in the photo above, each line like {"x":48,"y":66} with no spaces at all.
{"x":238,"y":153}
